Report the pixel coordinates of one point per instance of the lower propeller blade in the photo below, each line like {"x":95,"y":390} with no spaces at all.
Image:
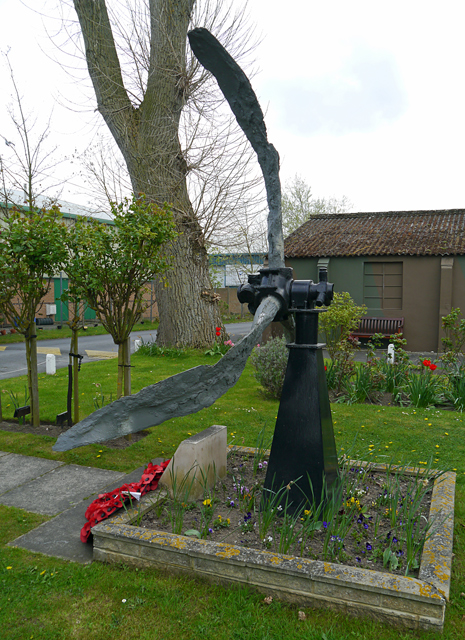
{"x":180,"y":395}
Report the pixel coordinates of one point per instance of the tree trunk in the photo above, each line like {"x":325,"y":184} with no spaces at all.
{"x":120,"y":379}
{"x":32,"y":377}
{"x":127,"y":367}
{"x":147,"y":136}
{"x":74,"y":349}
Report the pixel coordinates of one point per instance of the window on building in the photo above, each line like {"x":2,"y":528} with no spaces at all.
{"x":382,"y":285}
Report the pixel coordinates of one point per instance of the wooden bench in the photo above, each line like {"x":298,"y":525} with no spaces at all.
{"x":387,"y":326}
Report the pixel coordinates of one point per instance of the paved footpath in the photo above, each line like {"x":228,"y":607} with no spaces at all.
{"x":56,"y":489}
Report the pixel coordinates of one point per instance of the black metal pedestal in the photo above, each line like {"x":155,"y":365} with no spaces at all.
{"x":303,"y":449}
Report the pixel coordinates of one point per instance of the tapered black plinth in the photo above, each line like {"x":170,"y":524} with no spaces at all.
{"x":303,"y":448}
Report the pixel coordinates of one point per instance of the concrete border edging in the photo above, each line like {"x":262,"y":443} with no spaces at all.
{"x":417,"y":603}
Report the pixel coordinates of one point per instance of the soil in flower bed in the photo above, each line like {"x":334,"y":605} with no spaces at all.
{"x":367,"y":525}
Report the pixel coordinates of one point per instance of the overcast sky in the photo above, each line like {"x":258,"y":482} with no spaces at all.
{"x":364,"y":99}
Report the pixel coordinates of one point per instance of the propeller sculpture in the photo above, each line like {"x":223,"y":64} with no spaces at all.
{"x":303,"y":453}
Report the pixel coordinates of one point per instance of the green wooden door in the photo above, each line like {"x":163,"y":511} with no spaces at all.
{"x":60,"y":285}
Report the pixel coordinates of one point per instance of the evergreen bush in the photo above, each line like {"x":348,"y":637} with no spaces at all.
{"x":270,"y":362}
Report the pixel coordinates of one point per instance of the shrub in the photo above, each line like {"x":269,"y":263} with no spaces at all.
{"x":339,"y":321}
{"x":270,"y":362}
{"x":337,"y":324}
{"x":454,"y":340}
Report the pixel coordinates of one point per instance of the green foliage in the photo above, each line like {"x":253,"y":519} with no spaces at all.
{"x":365,"y":385}
{"x":270,"y":362}
{"x":32,"y":250}
{"x":337,"y":323}
{"x":454,"y":340}
{"x":424,"y":389}
{"x":150,"y":348}
{"x":110,"y":264}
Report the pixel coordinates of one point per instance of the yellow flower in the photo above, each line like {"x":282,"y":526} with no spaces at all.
{"x":219,"y":518}
{"x":8,"y":568}
{"x":207,"y":503}
{"x":437,"y":446}
{"x":228,"y":520}
{"x":42,"y":572}
{"x":445,"y":433}
{"x":307,"y":512}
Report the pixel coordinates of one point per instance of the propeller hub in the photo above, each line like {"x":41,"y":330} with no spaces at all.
{"x":293,"y":294}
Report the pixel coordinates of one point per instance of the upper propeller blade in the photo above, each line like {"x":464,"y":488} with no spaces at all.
{"x":241,"y":97}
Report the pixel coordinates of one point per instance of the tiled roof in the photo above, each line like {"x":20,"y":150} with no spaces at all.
{"x":413,"y":233}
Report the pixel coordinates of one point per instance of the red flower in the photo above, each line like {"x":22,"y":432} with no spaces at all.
{"x":426,"y":363}
{"x":433,"y":367}
{"x":218,"y":331}
{"x":326,"y":367}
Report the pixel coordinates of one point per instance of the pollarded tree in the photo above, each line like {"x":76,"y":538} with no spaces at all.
{"x":110,"y":265}
{"x":32,"y":251}
{"x":143,"y":110}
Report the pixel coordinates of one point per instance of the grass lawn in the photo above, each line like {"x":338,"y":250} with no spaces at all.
{"x":43,"y":597}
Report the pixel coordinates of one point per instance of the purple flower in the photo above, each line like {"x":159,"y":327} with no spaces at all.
{"x":368,"y":546}
{"x":210,"y":530}
{"x":325,"y":525}
{"x":358,"y":559}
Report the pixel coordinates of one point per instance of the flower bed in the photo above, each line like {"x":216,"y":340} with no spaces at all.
{"x":414,"y":602}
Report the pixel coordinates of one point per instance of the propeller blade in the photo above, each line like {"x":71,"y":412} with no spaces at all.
{"x":180,"y":395}
{"x":241,"y":97}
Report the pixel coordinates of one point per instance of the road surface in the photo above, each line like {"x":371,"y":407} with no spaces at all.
{"x":13,"y":356}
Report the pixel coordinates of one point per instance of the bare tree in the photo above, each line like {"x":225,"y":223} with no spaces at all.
{"x":298,"y":204}
{"x":143,"y":77}
{"x":27,"y":167}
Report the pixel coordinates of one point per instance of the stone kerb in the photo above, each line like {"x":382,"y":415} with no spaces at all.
{"x":417,"y":603}
{"x":197,"y":463}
